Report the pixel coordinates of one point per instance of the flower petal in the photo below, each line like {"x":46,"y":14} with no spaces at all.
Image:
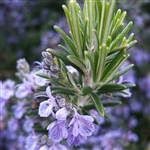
{"x":75,"y":129}
{"x":70,"y":138}
{"x":51,"y":126}
{"x":86,"y":128}
{"x":22,"y":91}
{"x":72,"y":121}
{"x":88,"y":118}
{"x":55,"y":132}
{"x":62,"y":114}
{"x":45,"y":109}
{"x":39,"y":80}
{"x":79,"y":139}
{"x":48,"y":92}
{"x":64,"y":130}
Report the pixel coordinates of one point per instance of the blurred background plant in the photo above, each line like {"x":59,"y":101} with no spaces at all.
{"x":27,"y":30}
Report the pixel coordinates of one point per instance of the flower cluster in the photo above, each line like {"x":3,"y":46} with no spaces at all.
{"x":79,"y":128}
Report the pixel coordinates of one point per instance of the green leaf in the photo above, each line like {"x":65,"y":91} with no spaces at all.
{"x":90,"y":58}
{"x":95,"y":40}
{"x":41,"y":88}
{"x":105,"y":104}
{"x":131,"y":37}
{"x":106,"y":116}
{"x":89,"y":107}
{"x":86,"y":90}
{"x":118,"y":21}
{"x":38,"y":128}
{"x":118,"y":14}
{"x":98,"y":104}
{"x":67,"y":40}
{"x":122,"y":17}
{"x":51,"y":80}
{"x":76,"y":29}
{"x":67,"y":13}
{"x":90,"y":14}
{"x":76,"y":61}
{"x":62,"y":66}
{"x":43,"y":75}
{"x":123,"y":71}
{"x":117,"y":31}
{"x":129,"y":85}
{"x":100,"y":32}
{"x":122,"y":47}
{"x":62,"y":90}
{"x":32,"y":112}
{"x":124,"y":41}
{"x":114,"y":66}
{"x":108,"y":88}
{"x":96,"y":57}
{"x":71,"y":80}
{"x":68,"y":52}
{"x":99,"y":9}
{"x":65,"y":59}
{"x":85,"y":37}
{"x":111,"y":104}
{"x":125,"y":92}
{"x":59,"y":55}
{"x":108,"y":18}
{"x":131,"y":44}
{"x":108,"y":42}
{"x":101,"y":61}
{"x":120,"y":36}
{"x":114,"y":22}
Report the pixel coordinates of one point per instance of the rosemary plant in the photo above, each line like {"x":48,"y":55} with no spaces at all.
{"x":87,"y":70}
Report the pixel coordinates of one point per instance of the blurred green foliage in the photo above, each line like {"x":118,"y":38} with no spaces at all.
{"x":22,"y":25}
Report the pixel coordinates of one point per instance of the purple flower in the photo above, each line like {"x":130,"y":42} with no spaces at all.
{"x":32,"y":142}
{"x":19,"y":109}
{"x":3,"y":110}
{"x":73,"y":71}
{"x":132,"y":137}
{"x":28,"y":124}
{"x":39,"y":80}
{"x":75,"y":140}
{"x":62,"y":114}
{"x":24,"y":89}
{"x":57,"y":130}
{"x":45,"y":108}
{"x":7,"y":89}
{"x":23,"y":66}
{"x":81,"y":126}
{"x":12,"y":125}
